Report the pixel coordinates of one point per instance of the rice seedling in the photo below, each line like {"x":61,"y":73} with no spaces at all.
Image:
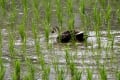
{"x":3,"y":6}
{"x":46,"y":22}
{"x":55,"y":62}
{"x":103,"y":73}
{"x":31,"y":70}
{"x":97,"y":59}
{"x":59,"y":13}
{"x":26,"y":77}
{"x":110,"y":42}
{"x":83,"y":15}
{"x":13,"y":16}
{"x":11,"y":28}
{"x":108,"y":19}
{"x":97,"y":24}
{"x":11,"y":45}
{"x":44,"y":67}
{"x":60,"y":71}
{"x":97,"y":19}
{"x":70,"y":14}
{"x":2,"y":68}
{"x":72,"y":68}
{"x":36,"y":10}
{"x":17,"y":70}
{"x":67,"y":57}
{"x":23,"y":36}
{"x":117,"y":75}
{"x":69,"y":62}
{"x":36,"y":39}
{"x":60,"y":74}
{"x":0,"y":43}
{"x":47,"y":31}
{"x":34,"y":31}
{"x":75,"y":73}
{"x":37,"y":47}
{"x":25,"y":7}
{"x":45,"y":71}
{"x":118,"y":15}
{"x":48,"y":11}
{"x":78,"y":75}
{"x":82,"y":7}
{"x":103,"y":3}
{"x":89,"y":74}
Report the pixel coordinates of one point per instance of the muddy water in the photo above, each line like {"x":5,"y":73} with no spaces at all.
{"x":86,"y":56}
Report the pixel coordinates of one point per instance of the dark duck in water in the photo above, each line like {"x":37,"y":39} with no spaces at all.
{"x":69,"y":35}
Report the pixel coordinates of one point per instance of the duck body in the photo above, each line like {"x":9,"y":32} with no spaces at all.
{"x":80,"y":37}
{"x":64,"y":37}
{"x":68,"y":36}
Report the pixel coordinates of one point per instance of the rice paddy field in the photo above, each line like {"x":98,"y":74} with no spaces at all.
{"x":29,"y":51}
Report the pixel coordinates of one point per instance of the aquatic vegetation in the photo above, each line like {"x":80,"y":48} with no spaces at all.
{"x":17,"y":70}
{"x":26,"y":40}
{"x":2,"y":71}
{"x":89,"y":74}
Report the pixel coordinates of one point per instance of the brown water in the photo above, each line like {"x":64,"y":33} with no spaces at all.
{"x":86,"y":56}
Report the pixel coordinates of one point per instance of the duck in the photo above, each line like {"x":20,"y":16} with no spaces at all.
{"x":69,"y":35}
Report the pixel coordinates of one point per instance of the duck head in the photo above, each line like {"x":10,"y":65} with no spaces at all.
{"x":55,"y":29}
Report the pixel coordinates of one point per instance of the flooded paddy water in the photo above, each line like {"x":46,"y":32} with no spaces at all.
{"x":29,"y":51}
